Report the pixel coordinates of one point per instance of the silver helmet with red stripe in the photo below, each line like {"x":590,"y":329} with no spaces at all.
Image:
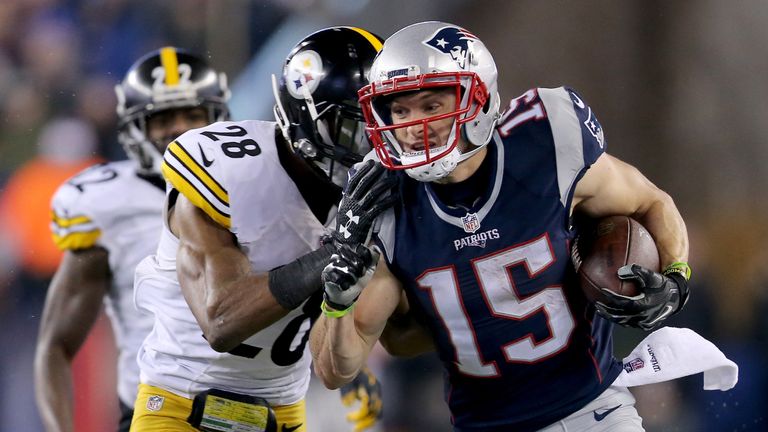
{"x":432,"y":56}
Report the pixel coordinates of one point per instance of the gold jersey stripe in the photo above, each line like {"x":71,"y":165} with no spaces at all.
{"x":192,"y":194}
{"x":68,"y":222}
{"x":170,"y":63}
{"x":371,"y":38}
{"x":78,"y":240}
{"x":198,"y":171}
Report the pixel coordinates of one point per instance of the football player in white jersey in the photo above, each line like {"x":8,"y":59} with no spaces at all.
{"x":108,"y":217}
{"x":235,"y":283}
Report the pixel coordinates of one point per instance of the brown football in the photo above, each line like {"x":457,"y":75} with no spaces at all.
{"x":614,"y":242}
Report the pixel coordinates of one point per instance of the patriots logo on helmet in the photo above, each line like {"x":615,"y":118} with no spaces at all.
{"x":453,"y":41}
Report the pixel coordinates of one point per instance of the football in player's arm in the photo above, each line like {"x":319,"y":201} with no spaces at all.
{"x":107,"y":218}
{"x":479,"y":240}
{"x":236,"y":277}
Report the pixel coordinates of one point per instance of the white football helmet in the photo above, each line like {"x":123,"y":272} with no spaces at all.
{"x":430,"y":55}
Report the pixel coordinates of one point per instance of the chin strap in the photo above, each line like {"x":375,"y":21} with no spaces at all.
{"x":280,"y":115}
{"x":469,"y":154}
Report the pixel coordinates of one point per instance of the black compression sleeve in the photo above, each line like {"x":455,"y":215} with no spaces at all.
{"x":294,"y":282}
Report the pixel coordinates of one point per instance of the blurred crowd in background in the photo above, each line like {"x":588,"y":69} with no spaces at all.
{"x":680,"y":88}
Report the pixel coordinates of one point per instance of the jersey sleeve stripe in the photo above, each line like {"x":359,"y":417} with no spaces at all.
{"x":64,"y":222}
{"x":190,"y":164}
{"x":566,"y":133}
{"x":192,"y":193}
{"x":62,"y":227}
{"x":77,"y":240}
{"x":62,"y":231}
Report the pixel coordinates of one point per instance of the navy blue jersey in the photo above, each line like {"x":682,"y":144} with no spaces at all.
{"x":493,"y":281}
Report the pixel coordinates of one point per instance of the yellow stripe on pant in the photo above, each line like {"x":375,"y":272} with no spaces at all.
{"x":160,"y":410}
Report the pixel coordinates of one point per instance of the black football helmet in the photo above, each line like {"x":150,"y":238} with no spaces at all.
{"x":168,"y":78}
{"x":316,"y":102}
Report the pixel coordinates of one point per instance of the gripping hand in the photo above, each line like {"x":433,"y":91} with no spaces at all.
{"x":369,"y":192}
{"x":661,"y":295}
{"x":366,"y":389}
{"x":349,"y":270}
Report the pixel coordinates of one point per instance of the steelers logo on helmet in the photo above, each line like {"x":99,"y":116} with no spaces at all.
{"x":304,"y":73}
{"x":316,"y":99}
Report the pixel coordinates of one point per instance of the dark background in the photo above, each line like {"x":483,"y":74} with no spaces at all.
{"x":680,"y":89}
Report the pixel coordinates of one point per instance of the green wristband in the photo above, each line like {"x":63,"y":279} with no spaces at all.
{"x":333,"y":313}
{"x":679,"y":267}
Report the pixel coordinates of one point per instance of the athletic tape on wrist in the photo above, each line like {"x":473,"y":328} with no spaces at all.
{"x":333,"y":313}
{"x":678,"y":267}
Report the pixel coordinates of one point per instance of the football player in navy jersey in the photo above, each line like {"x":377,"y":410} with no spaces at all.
{"x":478,"y":246}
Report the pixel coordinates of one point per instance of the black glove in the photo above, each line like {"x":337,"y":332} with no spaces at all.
{"x":366,"y":389}
{"x":349,"y":270}
{"x":370,"y":191}
{"x":661,"y":295}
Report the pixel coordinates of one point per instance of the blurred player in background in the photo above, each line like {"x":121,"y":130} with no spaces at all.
{"x":480,"y":242}
{"x":109,"y":217}
{"x":235,"y":283}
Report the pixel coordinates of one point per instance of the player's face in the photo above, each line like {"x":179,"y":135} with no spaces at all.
{"x":166,"y":126}
{"x":420,"y":105}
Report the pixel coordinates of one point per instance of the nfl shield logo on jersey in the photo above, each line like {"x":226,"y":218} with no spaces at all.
{"x":155,"y":403}
{"x":471,"y":222}
{"x":634,"y":365}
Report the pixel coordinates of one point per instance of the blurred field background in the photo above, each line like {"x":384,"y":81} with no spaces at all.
{"x":681,"y":90}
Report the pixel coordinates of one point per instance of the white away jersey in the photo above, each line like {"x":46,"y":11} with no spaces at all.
{"x":232,"y":172}
{"x":110,"y":206}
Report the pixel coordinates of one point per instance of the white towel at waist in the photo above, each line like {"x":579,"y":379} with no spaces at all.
{"x":670,"y":353}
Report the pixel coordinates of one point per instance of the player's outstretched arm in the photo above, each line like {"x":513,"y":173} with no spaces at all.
{"x":230,"y":301}
{"x":340,"y":342}
{"x":71,"y":307}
